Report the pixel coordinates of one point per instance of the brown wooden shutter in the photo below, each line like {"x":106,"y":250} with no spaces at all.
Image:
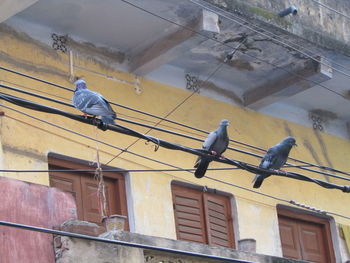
{"x":289,"y":238}
{"x":189,"y":216}
{"x":84,"y":186}
{"x":218,"y":220}
{"x":70,"y":183}
{"x":304,"y":236}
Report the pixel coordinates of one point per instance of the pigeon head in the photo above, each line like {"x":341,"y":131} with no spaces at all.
{"x":224,"y":123}
{"x":80,"y":84}
{"x":290,"y":141}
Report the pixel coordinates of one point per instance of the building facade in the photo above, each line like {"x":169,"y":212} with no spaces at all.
{"x":221,"y":209}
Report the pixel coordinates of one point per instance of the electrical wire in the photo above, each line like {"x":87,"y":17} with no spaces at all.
{"x":179,"y":134}
{"x":263,"y":32}
{"x":157,"y":161}
{"x":330,"y":8}
{"x":215,"y":40}
{"x":168,"y":145}
{"x":277,"y":36}
{"x":177,"y":123}
{"x":50,"y":83}
{"x":121,"y":243}
{"x":224,"y":44}
{"x":108,"y":170}
{"x":170,"y":112}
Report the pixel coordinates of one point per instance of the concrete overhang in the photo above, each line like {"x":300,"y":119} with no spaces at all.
{"x":9,"y":8}
{"x":296,"y":79}
{"x":174,"y":45}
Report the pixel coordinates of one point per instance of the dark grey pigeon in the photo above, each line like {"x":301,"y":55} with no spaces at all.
{"x":275,"y":158}
{"x":216,"y":143}
{"x":92,"y":103}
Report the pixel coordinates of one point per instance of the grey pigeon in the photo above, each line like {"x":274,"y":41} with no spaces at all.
{"x":275,"y":158}
{"x":216,"y":143}
{"x":92,"y":103}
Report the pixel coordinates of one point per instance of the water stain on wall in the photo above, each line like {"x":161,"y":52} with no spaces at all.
{"x":30,"y":153}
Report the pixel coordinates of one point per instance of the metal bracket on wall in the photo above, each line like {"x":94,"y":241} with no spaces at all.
{"x":137,"y":86}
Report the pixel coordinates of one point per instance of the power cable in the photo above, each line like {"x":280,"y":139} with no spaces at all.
{"x":180,"y":134}
{"x":120,"y":242}
{"x":108,"y":170}
{"x":223,"y":182}
{"x":177,"y":123}
{"x":170,"y":112}
{"x":168,"y":145}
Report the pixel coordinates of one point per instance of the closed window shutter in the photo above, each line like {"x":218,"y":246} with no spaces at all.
{"x":189,"y":214}
{"x":218,"y":220}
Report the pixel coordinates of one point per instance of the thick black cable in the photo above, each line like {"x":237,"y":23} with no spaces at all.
{"x":112,"y":170}
{"x":168,"y":145}
{"x":170,"y":112}
{"x":119,"y":242}
{"x":167,"y":120}
{"x":223,"y":43}
{"x":170,"y":165}
{"x":93,"y":139}
{"x":186,"y":136}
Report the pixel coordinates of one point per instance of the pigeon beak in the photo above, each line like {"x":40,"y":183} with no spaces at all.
{"x":295,"y":145}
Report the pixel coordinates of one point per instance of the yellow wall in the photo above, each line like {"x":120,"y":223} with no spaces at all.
{"x":26,"y":142}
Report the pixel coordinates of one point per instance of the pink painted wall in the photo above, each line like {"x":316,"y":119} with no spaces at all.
{"x":35,"y":205}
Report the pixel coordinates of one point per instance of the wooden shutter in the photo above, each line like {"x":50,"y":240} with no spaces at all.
{"x":305,"y":236}
{"x":202,"y":217}
{"x":218,"y":220}
{"x":84,"y":186}
{"x":313,"y":242}
{"x":289,"y":238}
{"x":189,"y":216}
{"x":70,"y":183}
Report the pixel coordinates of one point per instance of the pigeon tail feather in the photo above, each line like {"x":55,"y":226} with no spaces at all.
{"x":258,"y":180}
{"x":108,"y":119}
{"x":201,"y":168}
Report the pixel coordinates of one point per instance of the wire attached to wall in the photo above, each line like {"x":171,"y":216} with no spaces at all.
{"x":167,"y":120}
{"x":303,"y":167}
{"x":163,"y":163}
{"x":165,"y":144}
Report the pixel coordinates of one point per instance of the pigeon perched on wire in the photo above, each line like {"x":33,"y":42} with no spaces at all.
{"x":92,"y":103}
{"x":216,"y":143}
{"x":275,"y":158}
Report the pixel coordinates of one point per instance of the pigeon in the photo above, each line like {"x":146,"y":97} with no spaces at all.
{"x":275,"y":158}
{"x":216,"y":143}
{"x":90,"y":102}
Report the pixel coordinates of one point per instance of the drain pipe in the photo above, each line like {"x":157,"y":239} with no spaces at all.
{"x":290,"y":10}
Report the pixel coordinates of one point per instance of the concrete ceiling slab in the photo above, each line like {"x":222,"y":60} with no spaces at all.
{"x":260,"y":64}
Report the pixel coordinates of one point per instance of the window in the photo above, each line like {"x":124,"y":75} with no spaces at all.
{"x":305,"y":236}
{"x":84,"y":186}
{"x":203,"y":217}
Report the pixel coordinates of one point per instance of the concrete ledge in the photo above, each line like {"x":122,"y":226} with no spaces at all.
{"x":69,"y":250}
